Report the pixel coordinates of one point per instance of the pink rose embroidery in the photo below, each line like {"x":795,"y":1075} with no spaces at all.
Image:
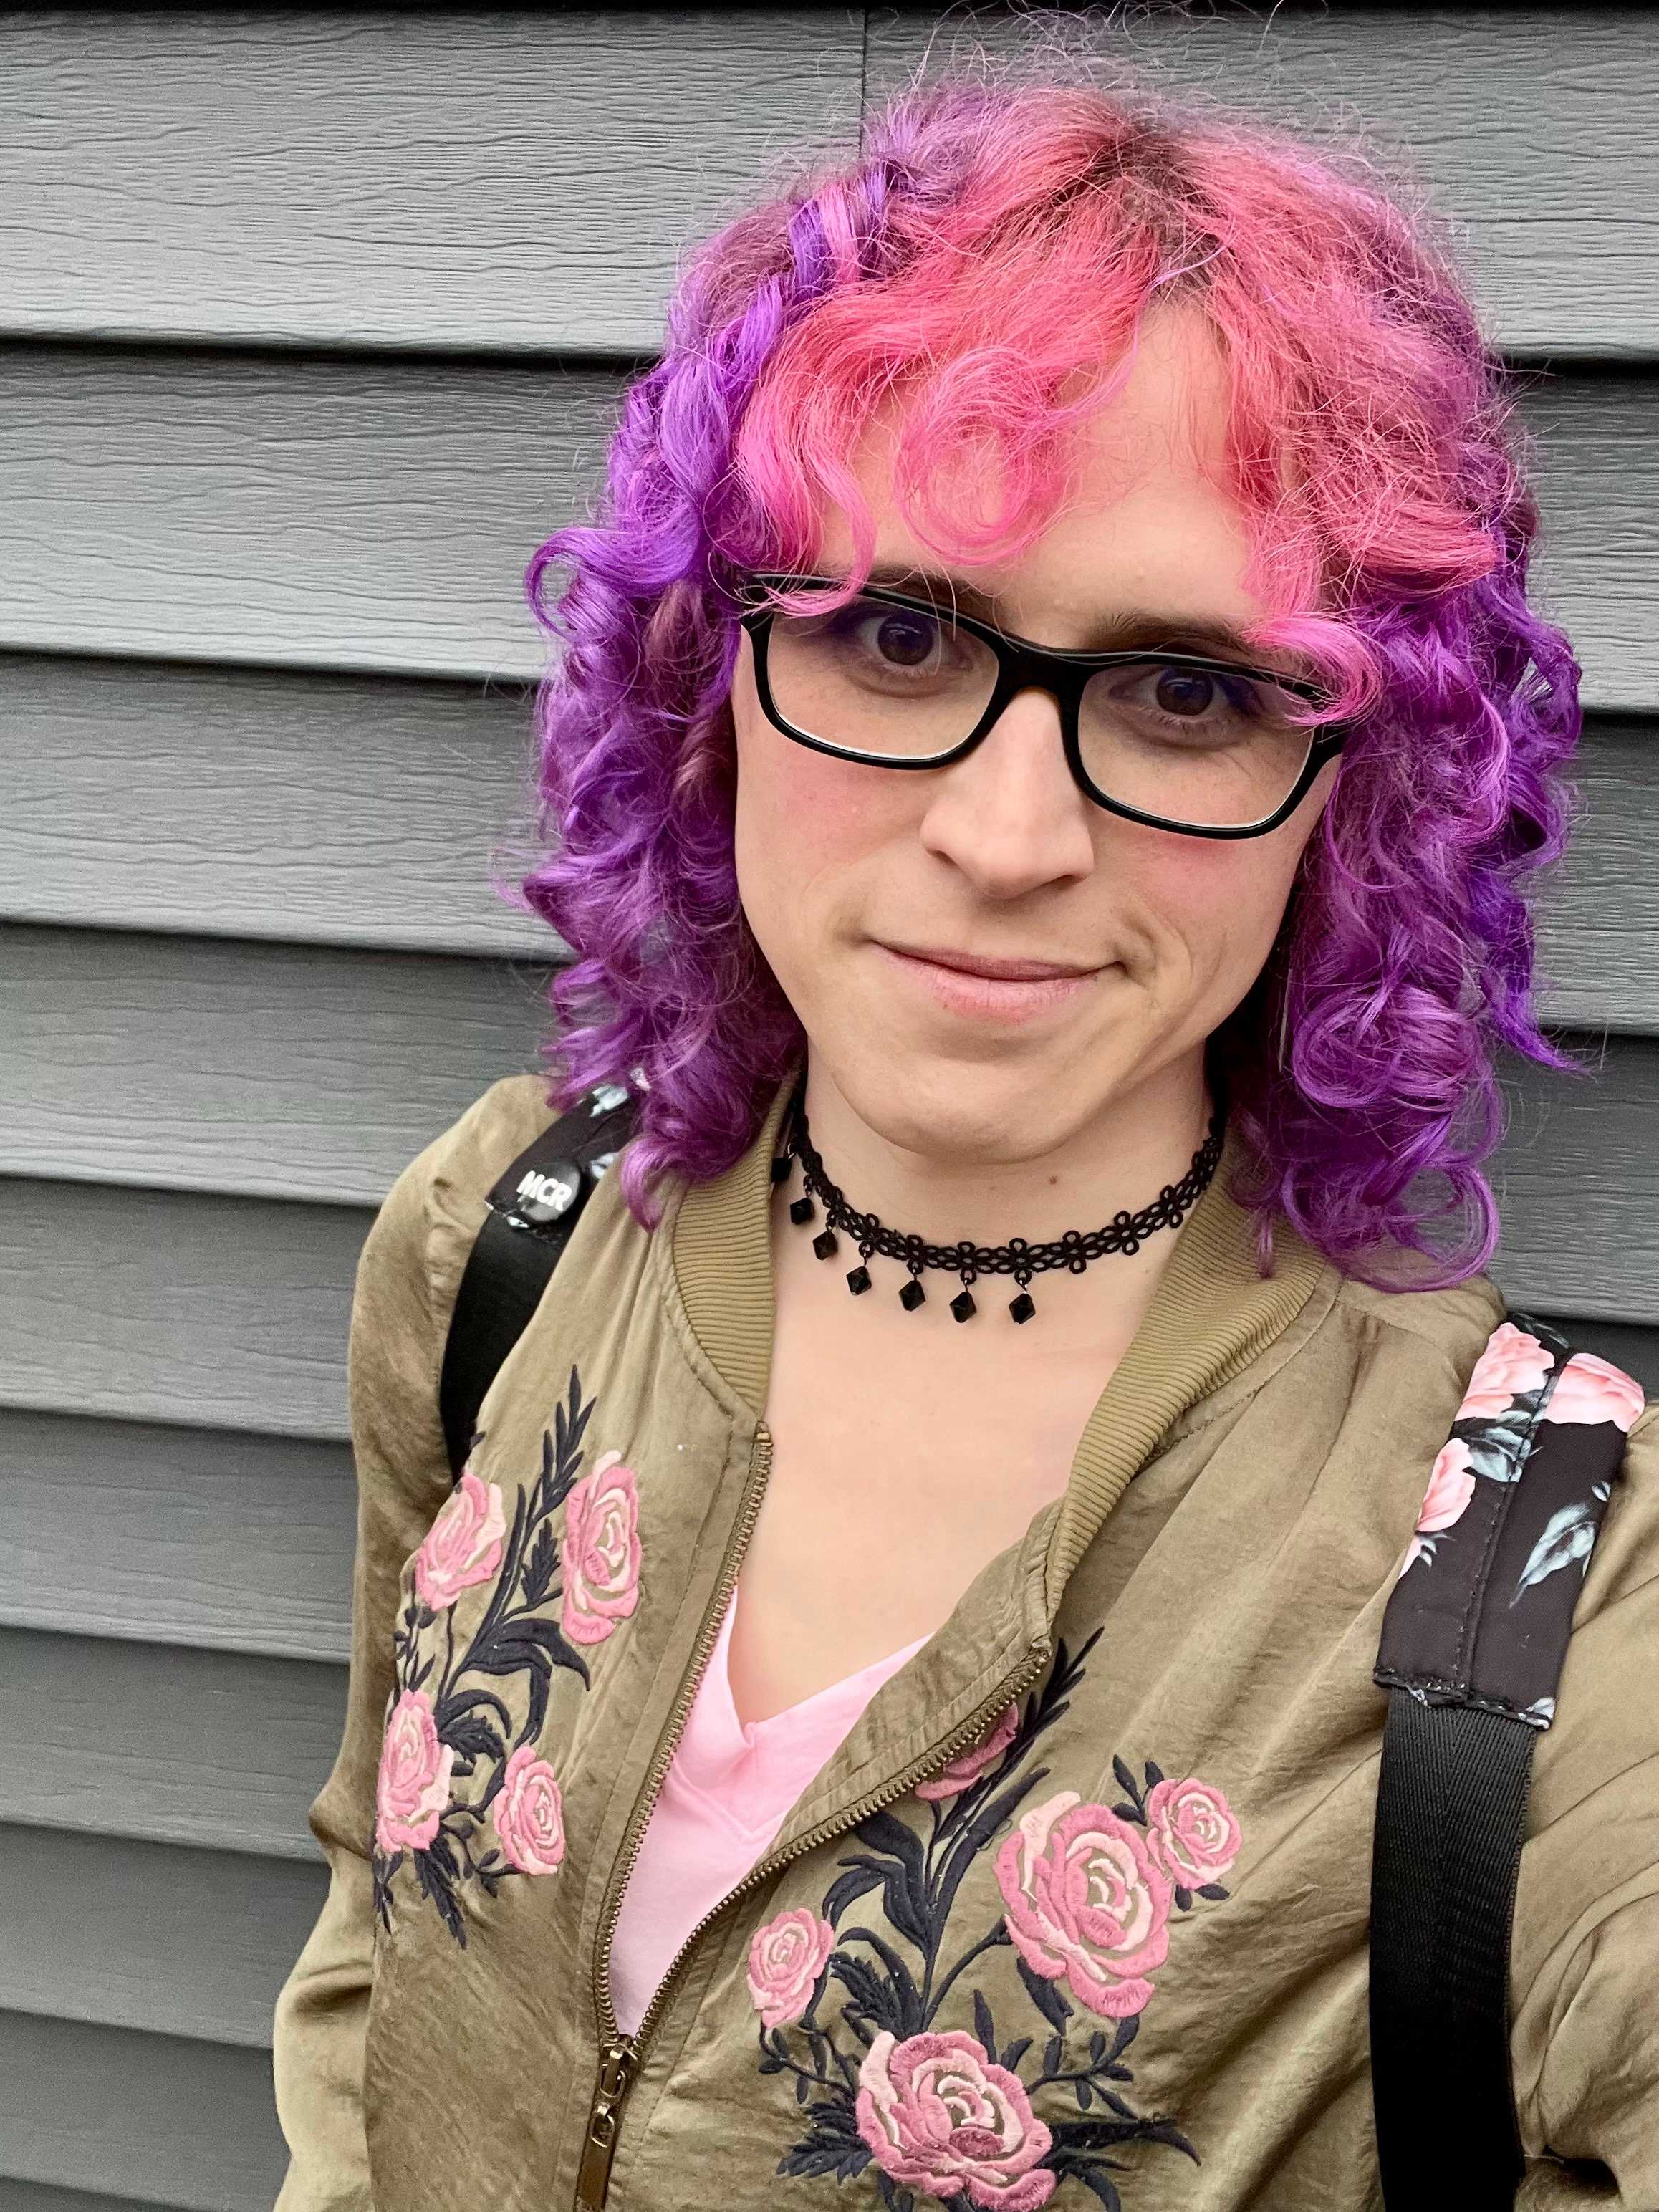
{"x":529,"y":1814}
{"x":1192,"y":1833}
{"x":601,"y":1551}
{"x":945,"y":2116}
{"x":1589,"y":1390}
{"x":413,"y":1787}
{"x":939,"y":2115}
{"x":1084,"y":1902}
{"x":1513,"y":1363}
{"x":785,"y":1960}
{"x":967,"y":1767}
{"x":464,"y":1544}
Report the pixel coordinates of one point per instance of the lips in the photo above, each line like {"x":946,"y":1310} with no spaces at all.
{"x":996,"y":969}
{"x":987,"y":988}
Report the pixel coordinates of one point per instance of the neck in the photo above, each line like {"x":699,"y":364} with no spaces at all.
{"x":1117,"y":1162}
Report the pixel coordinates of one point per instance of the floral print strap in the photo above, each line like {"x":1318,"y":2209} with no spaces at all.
{"x":1482,"y":1607}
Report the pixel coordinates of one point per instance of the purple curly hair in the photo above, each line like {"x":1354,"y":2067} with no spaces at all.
{"x":990,"y":244}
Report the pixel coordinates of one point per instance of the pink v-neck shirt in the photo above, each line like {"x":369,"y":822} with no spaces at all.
{"x":723,"y":1800}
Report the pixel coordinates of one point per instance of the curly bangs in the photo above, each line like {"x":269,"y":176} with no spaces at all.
{"x":991,"y":253}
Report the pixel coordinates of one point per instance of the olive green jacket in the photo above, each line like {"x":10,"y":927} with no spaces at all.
{"x":1076,"y":1914}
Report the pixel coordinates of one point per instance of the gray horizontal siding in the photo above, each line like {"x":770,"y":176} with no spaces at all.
{"x":289,"y":510}
{"x":1576,"y":1185}
{"x":520,"y":178}
{"x":196,"y":1536}
{"x":36,"y":2197}
{"x":166,"y":1744}
{"x":318,"y":512}
{"x":144,"y":1935}
{"x":254,"y":803}
{"x":282,"y":1071}
{"x":512,"y":186}
{"x":153,"y":2120}
{"x":1596,"y":453}
{"x":1598,"y":914}
{"x":162,"y":1305}
{"x":1525,"y":123}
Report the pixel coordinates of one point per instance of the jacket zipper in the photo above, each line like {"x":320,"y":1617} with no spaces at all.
{"x":621,"y":2055}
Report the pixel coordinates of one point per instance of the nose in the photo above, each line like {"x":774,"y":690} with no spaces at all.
{"x":1009,"y":816}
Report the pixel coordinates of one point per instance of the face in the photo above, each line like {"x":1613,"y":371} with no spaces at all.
{"x":1144,"y":941}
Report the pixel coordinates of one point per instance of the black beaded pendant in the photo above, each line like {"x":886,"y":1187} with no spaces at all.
{"x":780,"y":1167}
{"x":857,"y":1281}
{"x":824,"y":1244}
{"x":963,"y":1306}
{"x":912,"y":1295}
{"x":802,"y":1209}
{"x":1023,"y":1307}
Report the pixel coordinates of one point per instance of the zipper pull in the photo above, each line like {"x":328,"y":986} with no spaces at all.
{"x":617,"y":2067}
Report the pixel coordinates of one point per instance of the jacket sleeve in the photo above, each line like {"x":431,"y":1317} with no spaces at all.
{"x":1586,"y":1960}
{"x":407,"y":1278}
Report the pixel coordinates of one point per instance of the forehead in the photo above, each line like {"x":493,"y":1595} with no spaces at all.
{"x":1145,"y":516}
{"x":1168,"y":416}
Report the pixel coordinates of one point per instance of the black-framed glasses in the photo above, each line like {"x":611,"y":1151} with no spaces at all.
{"x":1207,"y":747}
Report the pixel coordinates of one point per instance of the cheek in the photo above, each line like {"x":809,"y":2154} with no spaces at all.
{"x":1224,"y":902}
{"x":795,"y":802}
{"x":809,"y":830}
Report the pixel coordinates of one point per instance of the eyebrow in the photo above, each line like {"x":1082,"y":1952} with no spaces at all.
{"x":1111,"y":633}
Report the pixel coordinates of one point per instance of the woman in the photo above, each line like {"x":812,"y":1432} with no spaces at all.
{"x":877,"y":1724}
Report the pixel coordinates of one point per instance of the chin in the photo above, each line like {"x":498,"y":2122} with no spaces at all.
{"x":1008,"y":1106}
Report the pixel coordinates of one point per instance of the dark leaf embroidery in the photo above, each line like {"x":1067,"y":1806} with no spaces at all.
{"x":854,"y":2019}
{"x":445,"y":1725}
{"x":1043,"y":1994}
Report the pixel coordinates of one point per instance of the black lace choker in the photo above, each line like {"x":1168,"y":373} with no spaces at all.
{"x":1125,"y":1232}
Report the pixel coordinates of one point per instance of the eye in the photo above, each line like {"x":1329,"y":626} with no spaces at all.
{"x":902,"y":639}
{"x":1210,"y":698}
{"x":1184,"y":692}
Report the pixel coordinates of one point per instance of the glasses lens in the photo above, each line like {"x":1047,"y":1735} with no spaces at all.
{"x":1197,"y":743}
{"x":897,"y":683}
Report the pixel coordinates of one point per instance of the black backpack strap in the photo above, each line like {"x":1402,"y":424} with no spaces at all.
{"x":1472,"y":1642}
{"x":533,"y":1210}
